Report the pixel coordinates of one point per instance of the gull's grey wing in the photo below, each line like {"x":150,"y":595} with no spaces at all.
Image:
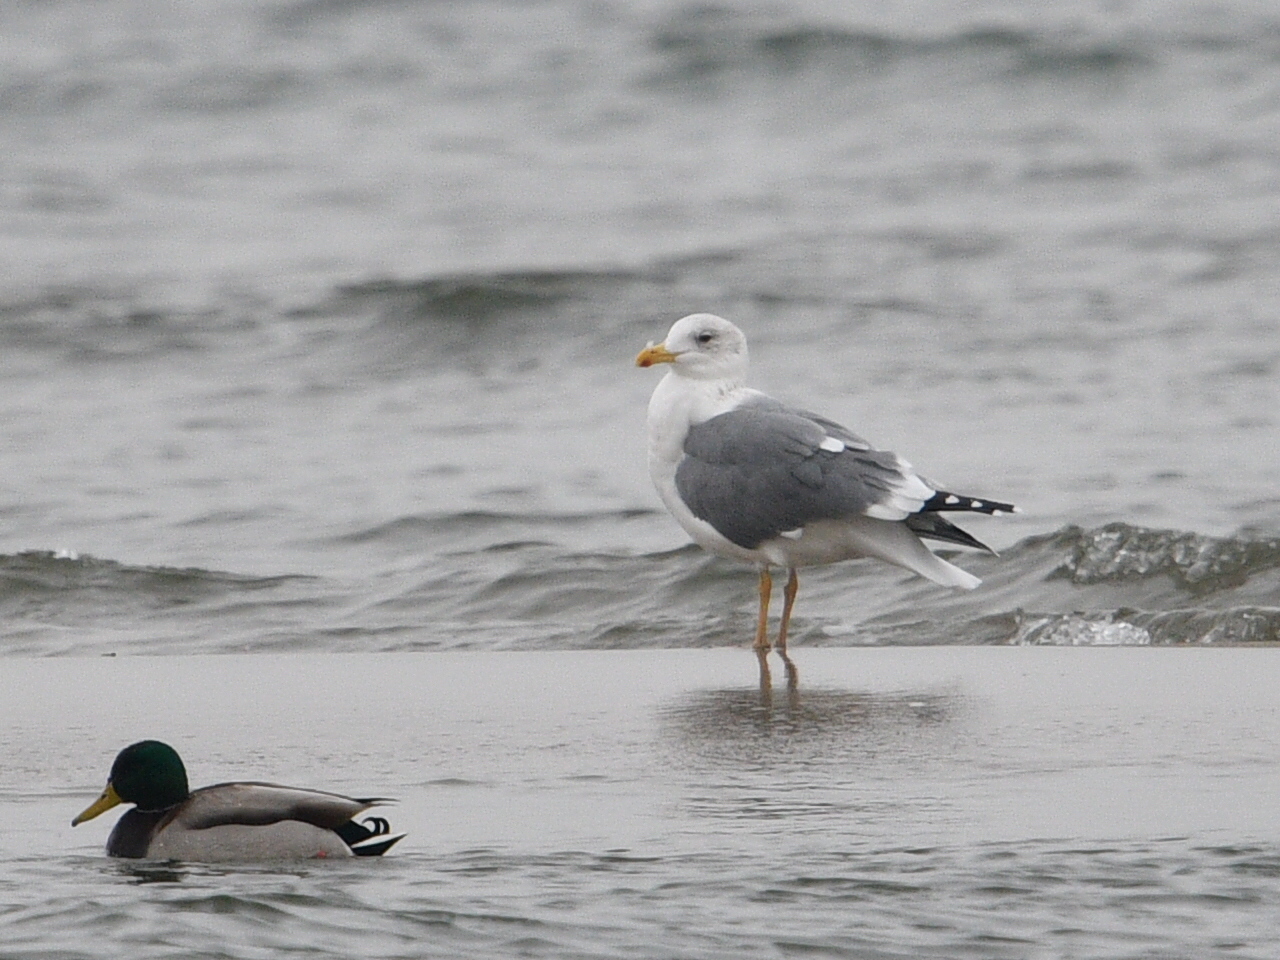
{"x":764,"y":469}
{"x":833,"y":429}
{"x":256,"y":804}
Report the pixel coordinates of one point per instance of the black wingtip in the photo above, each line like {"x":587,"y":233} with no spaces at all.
{"x":930,"y":526}
{"x":944,"y":500}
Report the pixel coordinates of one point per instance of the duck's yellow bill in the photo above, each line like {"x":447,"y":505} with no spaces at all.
{"x":655,"y":353}
{"x":104,"y":803}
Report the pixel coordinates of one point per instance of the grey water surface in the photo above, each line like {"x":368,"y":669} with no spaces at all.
{"x":317,"y":323}
{"x":925,"y":802}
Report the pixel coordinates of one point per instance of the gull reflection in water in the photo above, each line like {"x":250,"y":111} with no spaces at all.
{"x":744,"y":724}
{"x":812,"y":753}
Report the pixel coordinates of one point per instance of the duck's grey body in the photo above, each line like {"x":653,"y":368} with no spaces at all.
{"x":241,"y":821}
{"x":284,"y":840}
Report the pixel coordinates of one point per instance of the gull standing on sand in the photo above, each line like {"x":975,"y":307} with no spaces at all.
{"x":754,"y":480}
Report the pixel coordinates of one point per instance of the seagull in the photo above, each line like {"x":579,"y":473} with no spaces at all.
{"x":754,"y":480}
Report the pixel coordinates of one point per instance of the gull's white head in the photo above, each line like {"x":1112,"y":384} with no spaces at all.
{"x":701,"y":346}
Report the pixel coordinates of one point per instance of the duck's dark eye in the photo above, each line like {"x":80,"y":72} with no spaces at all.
{"x":705,"y":338}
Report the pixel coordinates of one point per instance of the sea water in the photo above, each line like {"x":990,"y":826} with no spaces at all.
{"x":939,"y":802}
{"x":316,"y":335}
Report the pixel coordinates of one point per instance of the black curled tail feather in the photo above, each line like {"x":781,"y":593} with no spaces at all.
{"x":376,"y":825}
{"x":356,"y":836}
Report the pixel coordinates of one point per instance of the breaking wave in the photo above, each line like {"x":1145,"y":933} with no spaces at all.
{"x":505,"y":583}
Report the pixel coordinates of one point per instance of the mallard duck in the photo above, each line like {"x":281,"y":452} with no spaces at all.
{"x":228,"y":821}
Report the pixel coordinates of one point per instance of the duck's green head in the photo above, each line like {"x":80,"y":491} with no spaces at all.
{"x":148,"y":774}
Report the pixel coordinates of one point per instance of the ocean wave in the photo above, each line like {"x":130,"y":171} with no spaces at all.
{"x":711,"y":40}
{"x":491,"y":305}
{"x":381,"y":323}
{"x":697,"y":43}
{"x":1197,"y":564}
{"x":58,"y":602}
{"x":33,"y":572}
{"x":123,"y":322}
{"x":583,"y":301}
{"x":87,"y":323}
{"x":1233,"y":627}
{"x":477,"y":297}
{"x":479,"y":580}
{"x":479,"y":317}
{"x":446,"y":312}
{"x":1117,"y":584}
{"x":514,"y":527}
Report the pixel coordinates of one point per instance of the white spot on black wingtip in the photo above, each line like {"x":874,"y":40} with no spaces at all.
{"x":975,"y":504}
{"x":952,"y":499}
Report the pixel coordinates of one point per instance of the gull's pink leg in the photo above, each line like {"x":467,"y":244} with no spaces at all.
{"x":762,"y":629}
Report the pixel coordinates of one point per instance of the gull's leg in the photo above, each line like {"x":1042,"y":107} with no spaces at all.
{"x":762,"y":629}
{"x":788,"y":601}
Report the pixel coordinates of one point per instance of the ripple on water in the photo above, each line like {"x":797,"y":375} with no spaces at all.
{"x":1165,"y":897}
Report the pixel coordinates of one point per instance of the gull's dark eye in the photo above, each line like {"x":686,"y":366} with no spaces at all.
{"x":704,"y":338}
